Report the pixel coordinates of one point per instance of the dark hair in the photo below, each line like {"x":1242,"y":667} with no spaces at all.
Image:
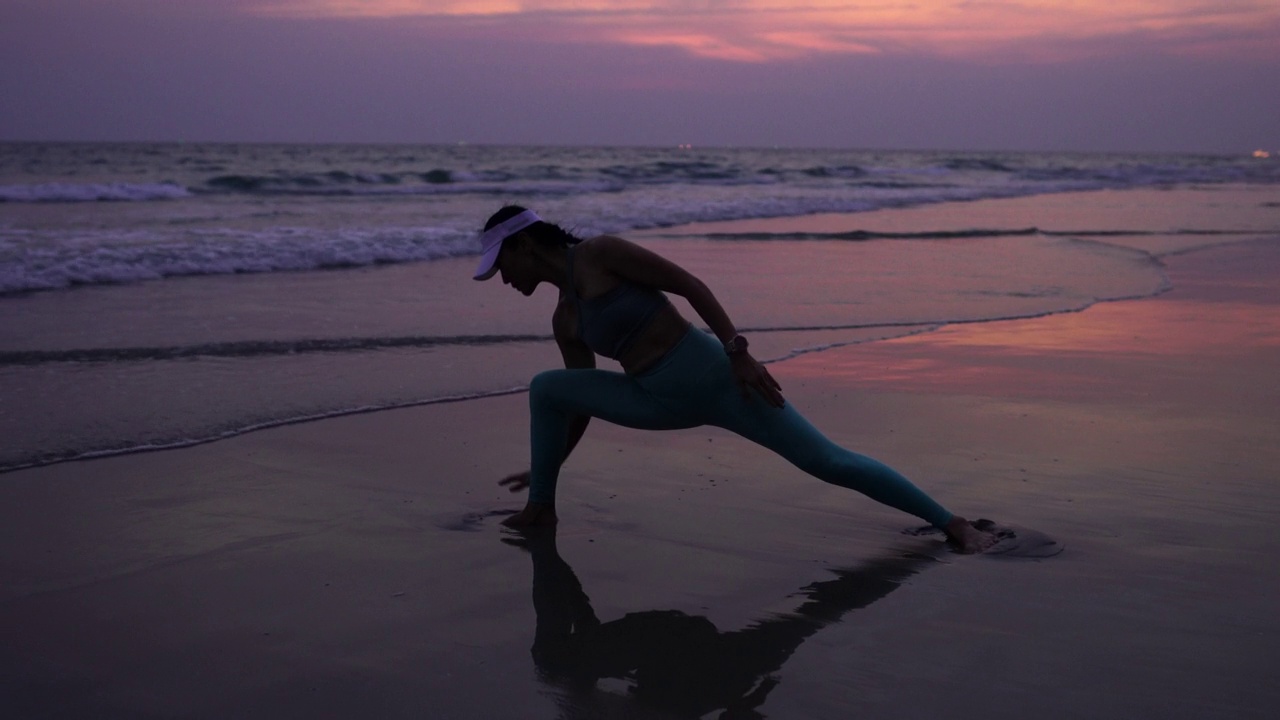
{"x":541,"y":231}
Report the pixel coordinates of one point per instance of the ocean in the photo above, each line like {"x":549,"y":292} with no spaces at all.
{"x":157,"y":296}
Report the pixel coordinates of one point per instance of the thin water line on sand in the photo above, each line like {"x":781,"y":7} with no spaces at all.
{"x":970,"y":234}
{"x":264,"y":425}
{"x":272,"y":348}
{"x":255,"y":348}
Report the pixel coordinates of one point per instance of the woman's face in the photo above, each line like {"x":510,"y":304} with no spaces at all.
{"x":515,"y":264}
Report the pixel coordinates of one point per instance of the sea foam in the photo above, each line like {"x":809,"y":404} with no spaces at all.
{"x":45,"y":261}
{"x":92,"y":192}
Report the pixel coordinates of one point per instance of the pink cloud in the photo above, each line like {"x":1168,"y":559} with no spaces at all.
{"x":763,"y":30}
{"x":266,"y":70}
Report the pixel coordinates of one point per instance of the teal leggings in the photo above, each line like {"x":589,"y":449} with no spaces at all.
{"x":694,"y":385}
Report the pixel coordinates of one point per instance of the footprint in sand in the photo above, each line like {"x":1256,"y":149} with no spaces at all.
{"x":1012,"y":541}
{"x":470,"y":522}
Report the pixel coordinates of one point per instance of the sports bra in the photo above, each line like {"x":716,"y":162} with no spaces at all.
{"x":611,"y":322}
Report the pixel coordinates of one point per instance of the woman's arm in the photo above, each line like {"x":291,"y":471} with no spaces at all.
{"x":576,"y":354}
{"x":644,"y":267}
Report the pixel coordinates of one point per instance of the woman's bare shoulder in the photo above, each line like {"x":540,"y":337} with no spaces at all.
{"x":598,"y":244}
{"x":606,"y":251}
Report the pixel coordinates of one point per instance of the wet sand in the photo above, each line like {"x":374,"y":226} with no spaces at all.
{"x":354,"y":567}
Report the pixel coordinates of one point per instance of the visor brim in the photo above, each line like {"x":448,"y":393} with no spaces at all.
{"x":488,"y":264}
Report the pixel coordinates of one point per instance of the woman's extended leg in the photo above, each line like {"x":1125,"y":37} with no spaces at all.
{"x":786,"y":432}
{"x":704,"y":384}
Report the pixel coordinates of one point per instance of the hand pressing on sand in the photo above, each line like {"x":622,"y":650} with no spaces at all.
{"x":517,"y":482}
{"x":534,"y":514}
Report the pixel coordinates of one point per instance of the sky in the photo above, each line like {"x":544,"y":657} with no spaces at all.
{"x":1037,"y":75}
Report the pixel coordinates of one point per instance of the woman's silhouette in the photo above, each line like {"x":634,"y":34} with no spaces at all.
{"x":613,"y":303}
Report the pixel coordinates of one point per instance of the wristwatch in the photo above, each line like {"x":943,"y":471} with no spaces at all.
{"x":736,"y":346}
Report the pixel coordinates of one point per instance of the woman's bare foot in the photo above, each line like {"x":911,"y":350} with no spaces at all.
{"x":966,"y":537}
{"x":533,"y":515}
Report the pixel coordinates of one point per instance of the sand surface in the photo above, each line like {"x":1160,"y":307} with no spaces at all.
{"x":354,"y":567}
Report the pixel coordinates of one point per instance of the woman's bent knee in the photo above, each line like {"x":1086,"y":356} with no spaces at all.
{"x":542,"y":381}
{"x":544,"y":384}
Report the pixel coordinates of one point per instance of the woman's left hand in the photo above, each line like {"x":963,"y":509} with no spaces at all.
{"x":751,"y":375}
{"x":517,"y":482}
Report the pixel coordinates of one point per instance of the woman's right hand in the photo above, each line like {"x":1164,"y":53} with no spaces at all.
{"x":752,"y":376}
{"x":516,"y":483}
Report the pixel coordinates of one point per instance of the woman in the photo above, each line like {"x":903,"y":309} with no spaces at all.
{"x":674,"y":375}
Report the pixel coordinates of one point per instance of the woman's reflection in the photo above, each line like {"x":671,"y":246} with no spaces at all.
{"x":675,"y":662}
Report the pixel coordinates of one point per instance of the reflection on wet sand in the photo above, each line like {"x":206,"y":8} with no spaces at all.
{"x":1062,"y":356}
{"x":674,"y":663}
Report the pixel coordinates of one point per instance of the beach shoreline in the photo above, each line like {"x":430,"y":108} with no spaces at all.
{"x":109,"y":369}
{"x":354,"y":566}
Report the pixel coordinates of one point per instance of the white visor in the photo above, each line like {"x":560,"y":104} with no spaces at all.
{"x":491,"y":241}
